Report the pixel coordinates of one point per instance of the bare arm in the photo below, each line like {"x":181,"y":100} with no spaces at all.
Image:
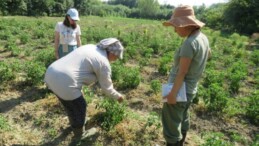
{"x":78,"y":40}
{"x":56,"y":44}
{"x":183,"y":69}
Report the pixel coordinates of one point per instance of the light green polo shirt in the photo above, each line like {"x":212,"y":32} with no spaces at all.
{"x":197,"y":48}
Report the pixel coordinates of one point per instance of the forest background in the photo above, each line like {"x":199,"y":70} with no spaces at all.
{"x":239,"y":16}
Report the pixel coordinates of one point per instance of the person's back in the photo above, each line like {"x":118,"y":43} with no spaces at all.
{"x":82,"y":66}
{"x":81,"y":60}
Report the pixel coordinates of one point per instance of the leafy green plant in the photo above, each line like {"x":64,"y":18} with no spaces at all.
{"x":125,"y":77}
{"x":253,"y":108}
{"x":255,"y":57}
{"x":237,"y":72}
{"x":6,"y":73}
{"x":215,"y":139}
{"x":45,"y":56}
{"x":5,"y":35}
{"x":213,"y":77}
{"x":114,"y":113}
{"x":88,"y":94}
{"x":4,"y":123}
{"x":143,"y":62}
{"x":52,"y":132}
{"x":256,"y":77}
{"x":155,"y":85}
{"x":216,"y":98}
{"x":131,"y":51}
{"x":148,"y":52}
{"x":255,"y":141}
{"x":34,"y":72}
{"x":163,"y":66}
{"x":236,"y":137}
{"x":25,"y":38}
{"x":11,"y":46}
{"x":153,"y":119}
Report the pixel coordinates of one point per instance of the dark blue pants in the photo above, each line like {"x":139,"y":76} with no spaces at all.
{"x":76,"y":111}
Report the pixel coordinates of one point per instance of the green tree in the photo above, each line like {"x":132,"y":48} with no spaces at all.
{"x":89,"y":6}
{"x":242,"y":16}
{"x":213,"y":17}
{"x":40,"y":7}
{"x":3,"y":7}
{"x":13,"y":7}
{"x":148,"y":8}
{"x":128,"y":3}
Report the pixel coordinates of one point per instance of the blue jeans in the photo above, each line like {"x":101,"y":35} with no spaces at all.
{"x":62,"y":53}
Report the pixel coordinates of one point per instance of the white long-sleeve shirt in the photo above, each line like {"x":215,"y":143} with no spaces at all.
{"x":83,"y":66}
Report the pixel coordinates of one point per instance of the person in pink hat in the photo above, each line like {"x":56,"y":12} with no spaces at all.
{"x":189,"y":63}
{"x":67,"y":34}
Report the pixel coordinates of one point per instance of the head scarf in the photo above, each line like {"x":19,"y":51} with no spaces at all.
{"x":112,"y":45}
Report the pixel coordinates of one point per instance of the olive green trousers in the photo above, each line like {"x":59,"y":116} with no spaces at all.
{"x":176,"y":119}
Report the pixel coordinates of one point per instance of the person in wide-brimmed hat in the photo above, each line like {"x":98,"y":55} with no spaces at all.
{"x":189,"y":63}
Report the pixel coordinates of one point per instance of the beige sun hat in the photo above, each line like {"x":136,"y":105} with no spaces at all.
{"x":183,"y":16}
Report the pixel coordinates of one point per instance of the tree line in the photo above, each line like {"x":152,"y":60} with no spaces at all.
{"x":239,"y":16}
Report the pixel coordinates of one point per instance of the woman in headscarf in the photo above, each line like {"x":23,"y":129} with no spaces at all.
{"x":84,"y":66}
{"x":189,"y":63}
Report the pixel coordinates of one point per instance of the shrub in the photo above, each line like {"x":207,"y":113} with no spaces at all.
{"x":148,"y":52}
{"x":88,"y":94}
{"x":125,"y":77}
{"x":114,"y":113}
{"x":216,"y":98}
{"x":25,"y":38}
{"x":4,"y":124}
{"x":236,"y":73}
{"x":212,"y":77}
{"x":45,"y":56}
{"x":153,"y":119}
{"x":253,"y":108}
{"x":215,"y":139}
{"x":6,"y":73}
{"x":34,"y":72}
{"x":155,"y":85}
{"x":163,"y":66}
{"x":255,"y":57}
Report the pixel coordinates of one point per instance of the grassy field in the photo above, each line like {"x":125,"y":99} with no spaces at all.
{"x":225,"y":112}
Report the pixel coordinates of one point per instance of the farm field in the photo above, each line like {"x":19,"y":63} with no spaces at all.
{"x":225,"y":111}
